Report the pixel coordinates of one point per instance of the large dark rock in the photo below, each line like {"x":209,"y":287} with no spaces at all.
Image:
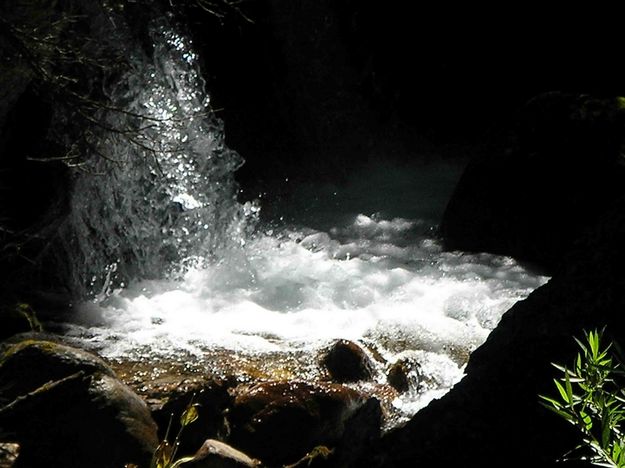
{"x":29,"y":364}
{"x":65,"y":407}
{"x":280,"y":422}
{"x":493,"y":415}
{"x":563,"y":171}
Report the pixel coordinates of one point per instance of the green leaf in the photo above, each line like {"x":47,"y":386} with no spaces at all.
{"x":569,"y":388}
{"x":606,"y":433}
{"x":563,"y":392}
{"x":559,"y":367}
{"x":585,"y":417}
{"x":581,"y":345}
{"x":189,"y":415}
{"x":162,"y":455}
{"x":563,"y":414}
{"x":551,"y":401}
{"x":182,"y":461}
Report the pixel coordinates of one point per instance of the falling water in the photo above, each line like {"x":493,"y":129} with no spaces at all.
{"x":157,"y":193}
{"x":175,"y":264}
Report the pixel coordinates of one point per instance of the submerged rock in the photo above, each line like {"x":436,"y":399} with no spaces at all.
{"x":345,"y":361}
{"x":563,"y":171}
{"x":280,"y":422}
{"x":65,"y":407}
{"x":403,"y":375}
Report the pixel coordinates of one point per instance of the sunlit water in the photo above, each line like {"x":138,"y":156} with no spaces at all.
{"x":176,"y":266}
{"x":382,"y":283}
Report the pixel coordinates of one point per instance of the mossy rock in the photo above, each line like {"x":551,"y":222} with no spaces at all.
{"x":27,"y":365}
{"x":65,"y":407}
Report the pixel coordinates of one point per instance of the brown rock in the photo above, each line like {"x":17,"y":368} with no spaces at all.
{"x":216,"y":454}
{"x":280,"y":422}
{"x":347,"y":362}
{"x":8,"y":454}
{"x":403,"y":374}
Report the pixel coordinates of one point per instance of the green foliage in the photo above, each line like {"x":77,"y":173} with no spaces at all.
{"x":165,"y":454}
{"x":320,"y":451}
{"x":590,"y":399}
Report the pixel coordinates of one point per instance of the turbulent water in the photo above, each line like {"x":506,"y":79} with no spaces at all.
{"x":176,"y":265}
{"x":156,"y":193}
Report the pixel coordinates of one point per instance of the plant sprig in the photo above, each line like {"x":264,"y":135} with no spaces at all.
{"x":590,"y":399}
{"x":165,"y":454}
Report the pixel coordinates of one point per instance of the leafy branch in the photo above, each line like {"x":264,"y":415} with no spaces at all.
{"x":590,"y":399}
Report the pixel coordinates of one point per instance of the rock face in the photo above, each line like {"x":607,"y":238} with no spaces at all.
{"x":563,"y":171}
{"x":65,"y":407}
{"x":345,"y":361}
{"x":280,"y":422}
{"x":493,"y":415}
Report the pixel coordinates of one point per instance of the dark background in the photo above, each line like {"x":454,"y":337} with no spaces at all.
{"x":312,"y":88}
{"x":310,"y":91}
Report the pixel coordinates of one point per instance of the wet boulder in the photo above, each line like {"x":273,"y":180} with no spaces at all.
{"x":345,"y":361}
{"x":280,"y":422}
{"x":561,"y":171}
{"x":65,"y":407}
{"x":29,"y":364}
{"x":403,"y":374}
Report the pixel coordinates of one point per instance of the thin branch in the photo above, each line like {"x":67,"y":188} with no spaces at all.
{"x":51,"y":385}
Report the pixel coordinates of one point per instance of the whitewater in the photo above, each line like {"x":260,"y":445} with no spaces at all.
{"x":174,"y":265}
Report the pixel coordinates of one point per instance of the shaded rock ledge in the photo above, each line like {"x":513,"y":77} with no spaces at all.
{"x":563,"y":171}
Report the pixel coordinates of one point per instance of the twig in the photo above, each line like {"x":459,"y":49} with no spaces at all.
{"x":44,"y":388}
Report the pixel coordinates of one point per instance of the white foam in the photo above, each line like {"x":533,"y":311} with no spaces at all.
{"x":368,"y":281}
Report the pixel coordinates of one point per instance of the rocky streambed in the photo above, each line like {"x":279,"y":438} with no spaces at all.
{"x":63,"y":406}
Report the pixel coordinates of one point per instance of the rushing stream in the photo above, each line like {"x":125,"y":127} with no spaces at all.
{"x":176,"y":266}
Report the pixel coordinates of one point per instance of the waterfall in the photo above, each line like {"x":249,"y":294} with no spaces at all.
{"x":180,"y":270}
{"x":156,"y":193}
